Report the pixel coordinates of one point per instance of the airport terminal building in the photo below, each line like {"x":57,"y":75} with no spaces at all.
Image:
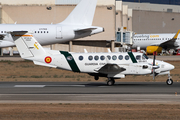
{"x":139,"y":16}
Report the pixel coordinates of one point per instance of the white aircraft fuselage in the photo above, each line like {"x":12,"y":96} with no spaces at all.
{"x":144,"y":40}
{"x":46,"y":33}
{"x":77,"y":25}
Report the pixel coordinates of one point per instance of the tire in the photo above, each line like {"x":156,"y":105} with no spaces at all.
{"x":110,"y":82}
{"x":169,"y":82}
{"x":96,"y":77}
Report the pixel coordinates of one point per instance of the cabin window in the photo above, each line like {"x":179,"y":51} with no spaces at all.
{"x":127,"y":57}
{"x":102,"y":57}
{"x":114,"y":57}
{"x":34,"y":31}
{"x":120,"y":57}
{"x":44,"y":31}
{"x":109,"y":57}
{"x":80,"y":58}
{"x":96,"y":57}
{"x":90,"y":58}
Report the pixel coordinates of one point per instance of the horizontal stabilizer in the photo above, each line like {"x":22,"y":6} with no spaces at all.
{"x":85,"y":29}
{"x":44,"y":64}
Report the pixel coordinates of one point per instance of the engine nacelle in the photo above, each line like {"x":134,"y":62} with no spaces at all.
{"x":152,"y":49}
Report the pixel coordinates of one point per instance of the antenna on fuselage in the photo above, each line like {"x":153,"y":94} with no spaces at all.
{"x":109,"y":51}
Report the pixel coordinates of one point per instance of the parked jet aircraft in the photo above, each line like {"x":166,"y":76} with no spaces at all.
{"x":110,"y":65}
{"x":77,"y":25}
{"x":157,"y":42}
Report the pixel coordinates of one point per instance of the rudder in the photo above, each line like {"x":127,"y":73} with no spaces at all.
{"x":82,"y":14}
{"x":27,"y":45}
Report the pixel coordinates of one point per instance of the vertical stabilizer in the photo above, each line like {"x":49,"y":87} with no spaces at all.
{"x":27,"y":45}
{"x":82,"y":14}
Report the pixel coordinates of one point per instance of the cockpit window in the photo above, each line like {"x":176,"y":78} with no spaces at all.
{"x":145,"y":56}
{"x":138,"y":57}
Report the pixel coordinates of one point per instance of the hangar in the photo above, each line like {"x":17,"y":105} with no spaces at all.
{"x":114,"y":16}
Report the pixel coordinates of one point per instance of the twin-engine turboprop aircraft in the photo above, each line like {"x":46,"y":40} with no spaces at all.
{"x":77,"y":25}
{"x":110,"y":65}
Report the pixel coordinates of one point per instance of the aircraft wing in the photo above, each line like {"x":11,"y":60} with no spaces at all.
{"x":110,"y":69}
{"x":170,"y":43}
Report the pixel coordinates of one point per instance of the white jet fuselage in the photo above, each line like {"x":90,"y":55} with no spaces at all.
{"x":144,"y":40}
{"x":45,"y":33}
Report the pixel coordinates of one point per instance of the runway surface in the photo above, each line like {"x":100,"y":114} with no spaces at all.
{"x":89,"y":92}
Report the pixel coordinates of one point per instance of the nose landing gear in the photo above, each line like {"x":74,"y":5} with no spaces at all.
{"x":169,"y":80}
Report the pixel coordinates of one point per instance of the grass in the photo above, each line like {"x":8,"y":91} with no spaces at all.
{"x":67,"y":111}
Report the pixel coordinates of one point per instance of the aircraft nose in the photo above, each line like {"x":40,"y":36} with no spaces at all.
{"x":170,"y":67}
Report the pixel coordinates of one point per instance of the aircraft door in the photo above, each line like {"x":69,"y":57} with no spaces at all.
{"x":58,"y":33}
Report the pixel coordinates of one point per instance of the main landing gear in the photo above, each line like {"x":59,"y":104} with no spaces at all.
{"x":169,"y":80}
{"x":110,"y":81}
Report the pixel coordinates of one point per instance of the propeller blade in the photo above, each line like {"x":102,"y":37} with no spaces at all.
{"x":153,"y":74}
{"x":154,"y":60}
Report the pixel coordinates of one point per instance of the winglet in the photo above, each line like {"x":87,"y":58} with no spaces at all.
{"x":175,"y":37}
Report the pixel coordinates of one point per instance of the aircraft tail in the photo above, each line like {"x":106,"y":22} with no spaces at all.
{"x":82,"y":14}
{"x":27,"y":45}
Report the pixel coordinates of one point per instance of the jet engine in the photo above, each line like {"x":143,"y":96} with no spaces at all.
{"x":152,"y":49}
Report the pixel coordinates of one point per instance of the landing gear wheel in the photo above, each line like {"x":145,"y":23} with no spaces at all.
{"x":96,"y":77}
{"x":169,"y":82}
{"x":110,"y":81}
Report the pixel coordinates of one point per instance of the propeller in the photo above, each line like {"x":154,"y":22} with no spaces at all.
{"x":154,"y":60}
{"x":154,"y":66}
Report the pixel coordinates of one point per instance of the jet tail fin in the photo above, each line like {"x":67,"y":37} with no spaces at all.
{"x":176,"y":35}
{"x":82,"y":14}
{"x":27,"y":45}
